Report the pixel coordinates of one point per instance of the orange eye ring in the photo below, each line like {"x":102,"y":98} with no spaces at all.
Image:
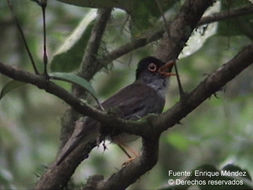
{"x":152,"y":67}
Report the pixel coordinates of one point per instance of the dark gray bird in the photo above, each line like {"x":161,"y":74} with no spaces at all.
{"x":144,"y":96}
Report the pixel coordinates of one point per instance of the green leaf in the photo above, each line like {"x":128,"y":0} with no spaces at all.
{"x":69,"y":55}
{"x":74,"y":79}
{"x":11,"y":85}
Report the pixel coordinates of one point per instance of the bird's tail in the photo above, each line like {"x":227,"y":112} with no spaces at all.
{"x":68,"y":148}
{"x":84,"y":131}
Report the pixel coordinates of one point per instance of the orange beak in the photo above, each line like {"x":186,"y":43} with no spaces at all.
{"x":164,"y":69}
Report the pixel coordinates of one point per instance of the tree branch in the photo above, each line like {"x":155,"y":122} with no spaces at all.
{"x":89,"y":63}
{"x":147,"y":38}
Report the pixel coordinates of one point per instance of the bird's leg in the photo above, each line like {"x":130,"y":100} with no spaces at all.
{"x":180,"y":88}
{"x":125,"y":149}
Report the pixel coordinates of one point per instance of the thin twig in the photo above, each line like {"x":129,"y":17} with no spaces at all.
{"x":166,"y":29}
{"x":181,"y":91}
{"x":45,"y":59}
{"x":165,"y":23}
{"x":43,"y":5}
{"x":23,"y":37}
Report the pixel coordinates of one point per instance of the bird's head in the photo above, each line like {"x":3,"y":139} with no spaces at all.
{"x":153,"y":68}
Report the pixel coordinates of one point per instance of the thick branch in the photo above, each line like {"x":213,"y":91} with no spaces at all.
{"x":89,"y":63}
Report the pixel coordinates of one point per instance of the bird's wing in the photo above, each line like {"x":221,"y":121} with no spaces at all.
{"x":135,"y":101}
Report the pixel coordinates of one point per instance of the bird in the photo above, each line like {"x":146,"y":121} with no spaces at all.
{"x":146,"y":95}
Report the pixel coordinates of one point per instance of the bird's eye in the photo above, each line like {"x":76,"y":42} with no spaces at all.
{"x":152,"y":67}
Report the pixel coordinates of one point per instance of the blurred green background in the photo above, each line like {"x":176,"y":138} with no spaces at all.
{"x":218,"y":132}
